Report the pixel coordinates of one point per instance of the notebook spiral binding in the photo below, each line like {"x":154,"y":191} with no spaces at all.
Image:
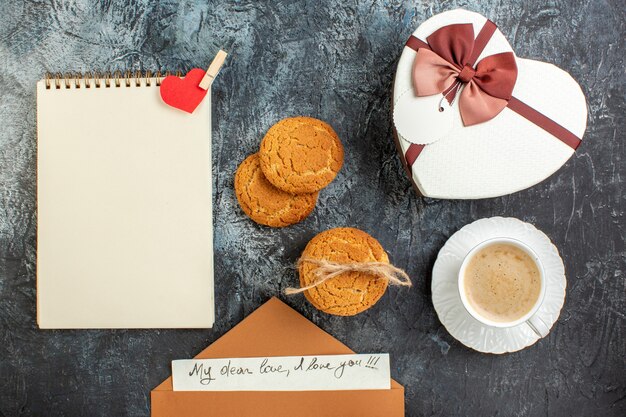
{"x":106,"y":79}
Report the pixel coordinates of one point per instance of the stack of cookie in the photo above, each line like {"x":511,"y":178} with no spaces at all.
{"x":279,"y":185}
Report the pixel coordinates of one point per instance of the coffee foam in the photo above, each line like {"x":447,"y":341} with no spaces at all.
{"x":502,"y":282}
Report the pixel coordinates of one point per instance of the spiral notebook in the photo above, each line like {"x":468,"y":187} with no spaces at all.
{"x":124,"y":216}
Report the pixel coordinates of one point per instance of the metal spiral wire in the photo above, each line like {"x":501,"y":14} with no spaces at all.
{"x":107,"y":79}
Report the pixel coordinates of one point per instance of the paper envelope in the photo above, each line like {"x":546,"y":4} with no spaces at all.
{"x":275,"y":329}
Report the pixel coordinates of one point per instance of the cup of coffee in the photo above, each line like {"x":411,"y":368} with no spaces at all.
{"x":502,"y":284}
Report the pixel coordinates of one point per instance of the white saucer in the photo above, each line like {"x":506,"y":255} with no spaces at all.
{"x":447,"y":301}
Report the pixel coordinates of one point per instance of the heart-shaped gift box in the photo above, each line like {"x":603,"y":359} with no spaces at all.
{"x":472,"y":120}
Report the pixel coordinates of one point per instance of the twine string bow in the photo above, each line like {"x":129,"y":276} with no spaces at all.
{"x":328,"y":270}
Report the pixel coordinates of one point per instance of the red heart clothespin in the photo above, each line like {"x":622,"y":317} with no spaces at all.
{"x":188,"y":92}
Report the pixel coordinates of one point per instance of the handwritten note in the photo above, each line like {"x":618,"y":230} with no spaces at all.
{"x":284,"y":373}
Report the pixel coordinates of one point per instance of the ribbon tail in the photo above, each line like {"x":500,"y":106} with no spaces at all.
{"x":477,"y":107}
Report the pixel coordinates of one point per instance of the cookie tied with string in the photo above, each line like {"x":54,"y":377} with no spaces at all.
{"x":345,"y":271}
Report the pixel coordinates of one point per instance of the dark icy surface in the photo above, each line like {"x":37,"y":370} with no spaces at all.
{"x":333,"y":60}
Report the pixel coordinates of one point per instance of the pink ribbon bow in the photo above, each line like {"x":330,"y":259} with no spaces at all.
{"x":449,"y":63}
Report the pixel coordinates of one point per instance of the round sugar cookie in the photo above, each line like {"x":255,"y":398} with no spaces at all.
{"x":266,"y":204}
{"x":349,"y":293}
{"x":301,"y":155}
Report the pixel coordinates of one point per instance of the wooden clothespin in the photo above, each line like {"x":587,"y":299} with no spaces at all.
{"x":213,"y":70}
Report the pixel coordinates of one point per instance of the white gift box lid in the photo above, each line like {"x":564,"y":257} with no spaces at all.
{"x":503,"y":155}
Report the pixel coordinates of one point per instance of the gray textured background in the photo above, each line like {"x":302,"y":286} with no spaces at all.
{"x":333,"y":60}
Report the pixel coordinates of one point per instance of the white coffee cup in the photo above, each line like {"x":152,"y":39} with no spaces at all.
{"x":530,"y":318}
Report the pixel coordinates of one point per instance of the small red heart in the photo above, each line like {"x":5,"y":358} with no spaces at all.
{"x":184,"y":93}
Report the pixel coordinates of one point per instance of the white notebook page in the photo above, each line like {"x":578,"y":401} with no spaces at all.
{"x":124,"y":235}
